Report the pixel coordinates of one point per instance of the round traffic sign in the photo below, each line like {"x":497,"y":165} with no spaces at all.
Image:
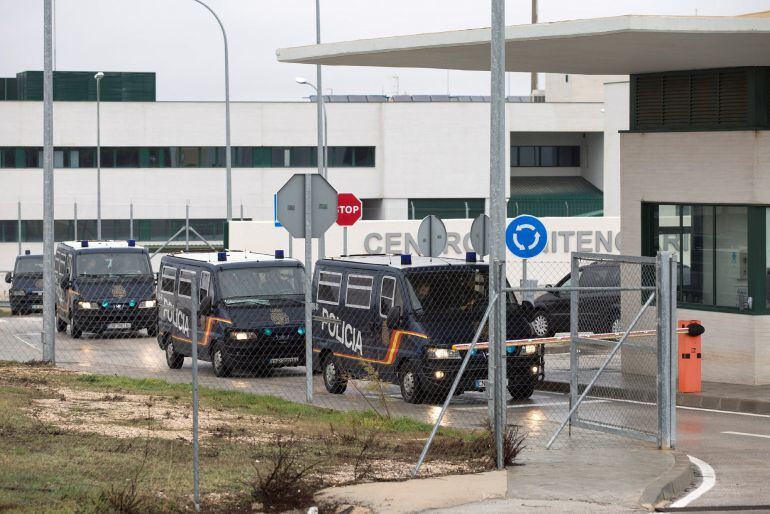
{"x":349,"y":209}
{"x":526,"y":236}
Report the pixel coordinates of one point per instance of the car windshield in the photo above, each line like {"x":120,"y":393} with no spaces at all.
{"x":113,"y":263}
{"x":449,"y":290}
{"x":29,"y":265}
{"x":261,"y":284}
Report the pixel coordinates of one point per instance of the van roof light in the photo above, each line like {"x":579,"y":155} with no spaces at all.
{"x":221,"y":256}
{"x":406,"y":259}
{"x":132,"y":242}
{"x":279,"y":254}
{"x":27,"y":252}
{"x":470,"y":256}
{"x":84,"y":244}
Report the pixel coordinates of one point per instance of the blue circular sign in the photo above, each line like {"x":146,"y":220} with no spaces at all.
{"x":526,"y":236}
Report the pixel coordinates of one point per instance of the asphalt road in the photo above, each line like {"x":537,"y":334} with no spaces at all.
{"x":737,"y":446}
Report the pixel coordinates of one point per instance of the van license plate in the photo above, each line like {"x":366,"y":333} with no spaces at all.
{"x":284,"y":360}
{"x":480,"y":384}
{"x":118,"y":326}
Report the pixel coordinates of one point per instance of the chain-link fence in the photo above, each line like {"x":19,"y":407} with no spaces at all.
{"x":398,"y":343}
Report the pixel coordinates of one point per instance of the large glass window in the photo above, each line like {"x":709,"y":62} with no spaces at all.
{"x":545,"y":156}
{"x":712,"y":246}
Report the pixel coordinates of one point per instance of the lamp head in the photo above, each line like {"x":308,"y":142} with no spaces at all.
{"x":99,"y":75}
{"x":300,"y":80}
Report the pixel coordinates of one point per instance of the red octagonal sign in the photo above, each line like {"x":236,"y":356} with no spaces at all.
{"x":348,"y":209}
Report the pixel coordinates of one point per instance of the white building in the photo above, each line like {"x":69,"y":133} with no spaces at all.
{"x":404,"y":156}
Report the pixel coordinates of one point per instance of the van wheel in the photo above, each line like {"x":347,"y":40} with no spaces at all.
{"x":412,"y":387}
{"x":521,"y":391}
{"x":75,"y":330}
{"x":541,"y":325}
{"x":173,"y":359}
{"x":333,"y":379}
{"x":218,"y":362}
{"x":152,"y":331}
{"x":61,"y":325}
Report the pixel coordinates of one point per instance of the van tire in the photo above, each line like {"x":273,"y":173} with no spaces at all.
{"x":333,"y":381}
{"x":520,"y":391}
{"x":61,"y":325}
{"x":75,"y":330}
{"x":411,"y":383}
{"x":173,"y":359}
{"x":218,"y":363}
{"x":152,"y":331}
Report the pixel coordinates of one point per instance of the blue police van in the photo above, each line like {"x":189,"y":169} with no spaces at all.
{"x":104,"y":286}
{"x":26,"y":279}
{"x":403,"y":318}
{"x":250,"y":313}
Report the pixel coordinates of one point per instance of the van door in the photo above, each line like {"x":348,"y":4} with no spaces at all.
{"x":204,"y":286}
{"x":182,"y":322}
{"x":361,"y":328}
{"x":167,"y":298}
{"x":390,"y":296}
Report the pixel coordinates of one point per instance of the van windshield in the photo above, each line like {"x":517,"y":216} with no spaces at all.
{"x":112,"y":264}
{"x":261,"y":284}
{"x":450,"y":290}
{"x":29,"y":265}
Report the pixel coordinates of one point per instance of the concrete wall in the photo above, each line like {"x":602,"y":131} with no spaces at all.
{"x":561,"y":87}
{"x":703,"y":167}
{"x":616,"y":118}
{"x":418,"y":145}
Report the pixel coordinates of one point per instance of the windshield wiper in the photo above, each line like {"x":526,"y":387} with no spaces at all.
{"x":246,"y":300}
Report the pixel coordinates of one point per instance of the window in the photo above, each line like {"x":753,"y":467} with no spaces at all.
{"x":359,"y":291}
{"x":388,"y":294}
{"x":712,"y":245}
{"x":329,"y":285}
{"x":185,"y":284}
{"x":126,"y":157}
{"x":545,"y":156}
{"x":168,"y":280}
{"x":303,"y":157}
{"x":340,"y":157}
{"x":241,"y":156}
{"x":107,"y":156}
{"x":212,"y":157}
{"x":203,"y":291}
{"x":189,"y":157}
{"x":364,"y":156}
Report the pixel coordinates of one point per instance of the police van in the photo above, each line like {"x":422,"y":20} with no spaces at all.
{"x":401,"y":318}
{"x":103,"y":286}
{"x":250,"y":314}
{"x":26,"y":279}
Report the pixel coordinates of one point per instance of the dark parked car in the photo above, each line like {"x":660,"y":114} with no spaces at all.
{"x":598,"y":311}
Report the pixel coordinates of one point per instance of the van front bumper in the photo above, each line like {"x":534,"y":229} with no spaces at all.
{"x":273,"y":351}
{"x":112,"y":317}
{"x":439,"y":374}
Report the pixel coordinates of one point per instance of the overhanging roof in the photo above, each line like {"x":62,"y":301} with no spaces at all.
{"x":619,"y":45}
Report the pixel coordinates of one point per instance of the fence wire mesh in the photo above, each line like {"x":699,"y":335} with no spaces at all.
{"x":389,"y":338}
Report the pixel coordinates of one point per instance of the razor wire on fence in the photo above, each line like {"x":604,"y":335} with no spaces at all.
{"x":400,"y":346}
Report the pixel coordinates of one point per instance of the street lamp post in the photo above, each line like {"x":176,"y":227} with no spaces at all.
{"x":325,"y":142}
{"x":99,"y":76}
{"x":228,"y":156}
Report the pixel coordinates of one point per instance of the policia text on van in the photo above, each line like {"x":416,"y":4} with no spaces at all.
{"x":104,"y":285}
{"x":399,"y":317}
{"x":250,"y":315}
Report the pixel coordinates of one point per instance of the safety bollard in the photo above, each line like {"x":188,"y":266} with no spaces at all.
{"x":690,"y":356}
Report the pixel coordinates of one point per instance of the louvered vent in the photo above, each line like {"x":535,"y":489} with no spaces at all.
{"x":694,"y":100}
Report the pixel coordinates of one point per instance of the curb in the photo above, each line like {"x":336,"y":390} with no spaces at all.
{"x":670,"y":484}
{"x":696,"y":400}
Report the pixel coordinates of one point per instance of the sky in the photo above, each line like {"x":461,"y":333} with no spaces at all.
{"x":182,"y":43}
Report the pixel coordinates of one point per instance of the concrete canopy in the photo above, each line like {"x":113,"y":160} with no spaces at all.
{"x":619,"y":45}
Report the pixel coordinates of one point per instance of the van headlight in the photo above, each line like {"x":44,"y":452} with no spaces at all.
{"x":18,"y":292}
{"x":88,"y":305}
{"x":530,"y":349}
{"x":147,"y":304}
{"x":242,"y":336}
{"x":443,"y":353}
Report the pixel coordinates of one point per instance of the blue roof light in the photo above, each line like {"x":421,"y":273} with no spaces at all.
{"x":279,"y":254}
{"x":406,"y":259}
{"x":470,"y":256}
{"x":221,"y":256}
{"x":132,"y":242}
{"x":84,"y":244}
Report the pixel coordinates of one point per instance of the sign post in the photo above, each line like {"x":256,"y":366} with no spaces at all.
{"x":349,"y":210}
{"x":307,"y":207}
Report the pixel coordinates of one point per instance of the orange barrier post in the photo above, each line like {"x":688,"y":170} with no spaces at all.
{"x":690,"y":356}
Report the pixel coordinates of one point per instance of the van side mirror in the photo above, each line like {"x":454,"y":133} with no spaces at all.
{"x":204,"y":309}
{"x":394,"y":318}
{"x":9,"y":277}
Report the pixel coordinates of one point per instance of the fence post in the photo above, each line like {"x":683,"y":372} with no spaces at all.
{"x":194,"y":338}
{"x":665,"y":331}
{"x":131,"y":220}
{"x":187,"y":227}
{"x":573,"y":331}
{"x":75,"y":221}
{"x":18,"y":227}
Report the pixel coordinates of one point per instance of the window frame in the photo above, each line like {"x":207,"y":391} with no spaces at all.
{"x":326,"y":283}
{"x":190,"y":276}
{"x":164,"y":274}
{"x":382,"y":295}
{"x":348,"y":287}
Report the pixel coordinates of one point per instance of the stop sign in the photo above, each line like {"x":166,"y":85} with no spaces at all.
{"x":348,"y":209}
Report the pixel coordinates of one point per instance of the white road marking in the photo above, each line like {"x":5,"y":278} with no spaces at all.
{"x":709,"y":479}
{"x":528,"y":405}
{"x":747,"y":434}
{"x":700,"y":409}
{"x":25,"y":342}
